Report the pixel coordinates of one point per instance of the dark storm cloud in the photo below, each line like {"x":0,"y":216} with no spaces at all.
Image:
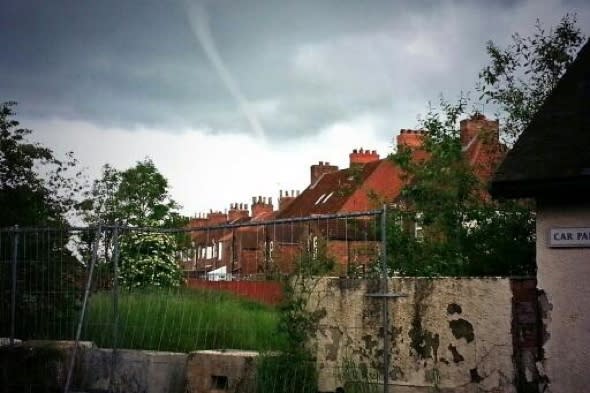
{"x":302,"y":65}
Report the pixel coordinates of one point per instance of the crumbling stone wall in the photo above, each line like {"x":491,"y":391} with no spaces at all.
{"x":448,"y":334}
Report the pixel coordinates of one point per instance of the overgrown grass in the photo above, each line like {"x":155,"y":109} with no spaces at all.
{"x":183,"y":320}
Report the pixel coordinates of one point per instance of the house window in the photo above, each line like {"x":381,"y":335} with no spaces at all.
{"x":328,"y":197}
{"x":418,"y":229}
{"x":214,"y":249}
{"x":319,"y":199}
{"x":271,"y":247}
{"x":314,"y":247}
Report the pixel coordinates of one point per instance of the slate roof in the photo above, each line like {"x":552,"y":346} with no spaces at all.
{"x":330,"y":192}
{"x":552,"y":156}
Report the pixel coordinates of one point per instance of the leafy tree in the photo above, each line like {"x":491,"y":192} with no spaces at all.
{"x":137,"y":197}
{"x":142,"y":197}
{"x":520,"y":76}
{"x":464,"y":231}
{"x":36,"y":188}
{"x":100,"y":204}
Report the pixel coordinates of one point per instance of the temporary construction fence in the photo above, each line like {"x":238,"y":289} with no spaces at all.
{"x":89,"y":283}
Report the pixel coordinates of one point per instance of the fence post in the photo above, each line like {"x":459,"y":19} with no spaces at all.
{"x":13,"y":289}
{"x":385,"y":290}
{"x":115,"y":304}
{"x":83,"y":311}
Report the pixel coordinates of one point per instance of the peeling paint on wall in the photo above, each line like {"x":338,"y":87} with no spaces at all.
{"x":462,"y":329}
{"x":448,"y":335}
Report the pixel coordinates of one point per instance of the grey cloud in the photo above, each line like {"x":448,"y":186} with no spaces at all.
{"x":137,"y":63}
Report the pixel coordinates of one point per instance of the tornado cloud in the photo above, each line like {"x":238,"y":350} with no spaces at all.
{"x":199,"y":22}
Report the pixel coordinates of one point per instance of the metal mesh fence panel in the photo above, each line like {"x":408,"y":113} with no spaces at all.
{"x":178,"y":289}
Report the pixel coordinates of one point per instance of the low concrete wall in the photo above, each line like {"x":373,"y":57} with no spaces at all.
{"x":457,"y":335}
{"x":231,"y":371}
{"x":36,"y":365}
{"x":42,"y":366}
{"x":450,"y":334}
{"x":133,"y":372}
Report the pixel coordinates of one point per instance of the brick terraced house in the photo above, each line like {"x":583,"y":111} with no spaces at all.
{"x":367,"y":183}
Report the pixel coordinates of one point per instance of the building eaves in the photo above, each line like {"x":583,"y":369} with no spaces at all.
{"x":553,"y":153}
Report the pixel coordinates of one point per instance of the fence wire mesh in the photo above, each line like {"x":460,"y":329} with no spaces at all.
{"x":176,"y":289}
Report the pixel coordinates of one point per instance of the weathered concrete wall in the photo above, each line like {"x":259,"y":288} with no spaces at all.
{"x":133,"y":372}
{"x":37,"y":365}
{"x":564,"y":276}
{"x":231,"y":371}
{"x":450,"y":334}
{"x":43,"y":366}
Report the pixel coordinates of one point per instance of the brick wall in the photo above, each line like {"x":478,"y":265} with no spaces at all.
{"x":268,"y":292}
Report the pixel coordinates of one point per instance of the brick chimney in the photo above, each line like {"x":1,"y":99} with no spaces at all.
{"x":216,"y":218}
{"x":261,"y":205}
{"x":362,"y":157}
{"x":285,"y":198}
{"x":198,"y":221}
{"x":411,"y":139}
{"x":481,"y":145}
{"x":487,"y":131}
{"x":320,"y":169}
{"x":237,"y":211}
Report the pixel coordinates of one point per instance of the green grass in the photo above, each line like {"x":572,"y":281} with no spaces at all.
{"x":183,"y":320}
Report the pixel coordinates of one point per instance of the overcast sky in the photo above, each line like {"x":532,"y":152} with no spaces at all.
{"x":233,"y":99}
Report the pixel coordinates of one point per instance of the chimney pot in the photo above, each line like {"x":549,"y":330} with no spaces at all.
{"x":270,"y":200}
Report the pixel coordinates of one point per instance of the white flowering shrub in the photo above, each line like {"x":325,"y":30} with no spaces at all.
{"x":148,"y":260}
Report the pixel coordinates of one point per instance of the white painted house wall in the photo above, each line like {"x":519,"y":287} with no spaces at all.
{"x":564,"y":275}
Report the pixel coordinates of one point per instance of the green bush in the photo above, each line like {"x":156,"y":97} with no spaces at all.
{"x":148,"y":259}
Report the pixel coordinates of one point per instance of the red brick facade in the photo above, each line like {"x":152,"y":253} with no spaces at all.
{"x":367,"y":184}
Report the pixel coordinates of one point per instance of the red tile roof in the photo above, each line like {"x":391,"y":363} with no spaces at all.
{"x":331,"y":191}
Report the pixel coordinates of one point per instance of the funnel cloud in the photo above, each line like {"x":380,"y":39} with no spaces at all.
{"x":199,"y":22}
